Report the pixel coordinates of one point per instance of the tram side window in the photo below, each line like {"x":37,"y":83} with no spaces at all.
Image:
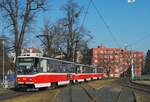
{"x":70,"y":68}
{"x":94,"y":70}
{"x":99,"y":70}
{"x":52,"y":66}
{"x":87,"y":69}
{"x":59,"y":67}
{"x":55,"y":66}
{"x":90,"y":69}
{"x":84,"y":69}
{"x":63,"y":67}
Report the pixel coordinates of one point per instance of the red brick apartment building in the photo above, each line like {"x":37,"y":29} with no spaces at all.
{"x":116,"y":61}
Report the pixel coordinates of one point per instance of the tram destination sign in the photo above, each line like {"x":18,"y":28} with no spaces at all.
{"x":26,"y":59}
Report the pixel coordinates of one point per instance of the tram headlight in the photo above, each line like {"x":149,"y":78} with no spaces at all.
{"x":18,"y":79}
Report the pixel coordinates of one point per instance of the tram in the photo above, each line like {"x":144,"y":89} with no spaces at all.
{"x":40,"y":72}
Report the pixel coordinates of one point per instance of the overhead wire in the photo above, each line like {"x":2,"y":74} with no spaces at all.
{"x":105,"y":23}
{"x":83,"y":20}
{"x":139,"y":40}
{"x":86,"y":12}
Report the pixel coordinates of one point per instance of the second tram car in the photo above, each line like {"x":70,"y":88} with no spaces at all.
{"x":39,"y":72}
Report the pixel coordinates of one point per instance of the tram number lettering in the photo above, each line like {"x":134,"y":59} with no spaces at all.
{"x":69,"y":75}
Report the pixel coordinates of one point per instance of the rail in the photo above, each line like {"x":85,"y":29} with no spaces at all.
{"x":140,"y":87}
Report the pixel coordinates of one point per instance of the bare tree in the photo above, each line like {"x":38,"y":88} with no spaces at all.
{"x":52,"y":38}
{"x":72,"y":11}
{"x":66,"y":34}
{"x":20,"y":14}
{"x":76,"y":36}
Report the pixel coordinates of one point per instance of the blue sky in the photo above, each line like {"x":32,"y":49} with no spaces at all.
{"x":130,"y":23}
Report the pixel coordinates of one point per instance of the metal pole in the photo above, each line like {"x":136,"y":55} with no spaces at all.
{"x":3,"y":42}
{"x":132,"y":68}
{"x":61,"y":55}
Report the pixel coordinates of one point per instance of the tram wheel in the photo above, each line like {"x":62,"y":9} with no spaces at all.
{"x":54,"y":85}
{"x":71,"y":82}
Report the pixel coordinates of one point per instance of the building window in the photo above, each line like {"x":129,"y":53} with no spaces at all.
{"x":95,"y":61}
{"x":101,"y":51}
{"x":101,"y":56}
{"x":111,"y":57}
{"x":116,"y":57}
{"x":95,"y":56}
{"x":101,"y":61}
{"x":134,"y":55}
{"x":106,"y":56}
{"x":140,"y":60}
{"x":105,"y":61}
{"x":117,"y":61}
{"x":95,"y":51}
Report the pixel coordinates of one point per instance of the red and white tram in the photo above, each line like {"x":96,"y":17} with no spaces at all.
{"x":39,"y":72}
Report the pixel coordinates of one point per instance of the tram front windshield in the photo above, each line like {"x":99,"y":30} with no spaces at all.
{"x":27,"y":65}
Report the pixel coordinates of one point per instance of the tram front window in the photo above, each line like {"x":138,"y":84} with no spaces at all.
{"x":26,"y":66}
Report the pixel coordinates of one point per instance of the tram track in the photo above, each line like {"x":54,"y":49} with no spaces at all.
{"x":87,"y":91}
{"x":93,"y":99}
{"x":133,"y":87}
{"x":126,"y":92}
{"x":16,"y":93}
{"x":82,"y":87}
{"x":139,"y":87}
{"x":120,"y":97}
{"x":134,"y":96}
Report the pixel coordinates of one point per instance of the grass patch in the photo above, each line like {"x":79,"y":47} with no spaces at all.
{"x":46,"y":96}
{"x":100,"y":83}
{"x":142,"y":97}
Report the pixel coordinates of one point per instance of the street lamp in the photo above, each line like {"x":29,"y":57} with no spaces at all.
{"x":60,"y":53}
{"x":3,"y":43}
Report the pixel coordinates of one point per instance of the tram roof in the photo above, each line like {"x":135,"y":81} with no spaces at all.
{"x":46,"y":58}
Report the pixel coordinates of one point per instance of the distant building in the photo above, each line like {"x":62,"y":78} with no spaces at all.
{"x":31,"y":52}
{"x":138,"y":62}
{"x":116,"y":61}
{"x":26,"y":52}
{"x":60,"y":56}
{"x":79,"y":57}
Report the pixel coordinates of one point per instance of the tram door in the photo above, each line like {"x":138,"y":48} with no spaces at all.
{"x":44,"y":65}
